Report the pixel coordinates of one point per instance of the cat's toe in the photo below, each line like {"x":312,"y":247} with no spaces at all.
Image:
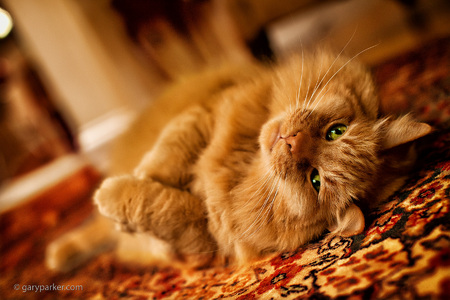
{"x":113,"y":196}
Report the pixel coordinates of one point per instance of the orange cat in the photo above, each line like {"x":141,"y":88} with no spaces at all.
{"x":262,"y":160}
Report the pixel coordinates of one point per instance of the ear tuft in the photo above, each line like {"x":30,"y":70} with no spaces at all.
{"x":404,"y":130}
{"x":349,"y":222}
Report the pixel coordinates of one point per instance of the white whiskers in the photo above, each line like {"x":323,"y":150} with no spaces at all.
{"x":331,"y":78}
{"x":297,"y":98}
{"x":273,"y":191}
{"x":328,"y":70}
{"x":265,"y":179}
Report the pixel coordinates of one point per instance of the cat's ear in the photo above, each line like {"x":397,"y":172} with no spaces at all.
{"x":348,"y":222}
{"x":404,"y":130}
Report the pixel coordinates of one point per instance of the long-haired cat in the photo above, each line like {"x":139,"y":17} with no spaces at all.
{"x":252,"y":161}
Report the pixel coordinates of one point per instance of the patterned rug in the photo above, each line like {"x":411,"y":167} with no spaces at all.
{"x":404,"y":252}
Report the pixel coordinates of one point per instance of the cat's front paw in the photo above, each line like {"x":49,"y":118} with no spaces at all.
{"x":114,"y":198}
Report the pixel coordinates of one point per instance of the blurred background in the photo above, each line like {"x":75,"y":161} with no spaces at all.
{"x":74,"y":73}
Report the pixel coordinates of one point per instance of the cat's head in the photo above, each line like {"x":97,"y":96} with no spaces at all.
{"x":326,"y":142}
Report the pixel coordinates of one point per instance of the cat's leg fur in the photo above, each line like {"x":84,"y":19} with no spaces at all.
{"x":170,"y":214}
{"x":156,"y":199}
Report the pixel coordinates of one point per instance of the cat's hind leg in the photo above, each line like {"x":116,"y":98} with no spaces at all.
{"x":81,"y":244}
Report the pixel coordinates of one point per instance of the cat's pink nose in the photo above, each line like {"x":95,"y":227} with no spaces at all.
{"x":297,"y":143}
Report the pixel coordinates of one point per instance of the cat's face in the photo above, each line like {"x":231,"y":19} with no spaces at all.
{"x":327,"y":156}
{"x":325,"y":141}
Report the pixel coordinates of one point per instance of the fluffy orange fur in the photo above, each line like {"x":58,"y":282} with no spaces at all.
{"x":251,"y":169}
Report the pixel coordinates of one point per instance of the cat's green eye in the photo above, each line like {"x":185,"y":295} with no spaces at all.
{"x":315,"y":180}
{"x":336,"y":132}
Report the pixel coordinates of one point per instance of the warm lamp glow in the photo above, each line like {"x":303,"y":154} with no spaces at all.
{"x":6,"y":23}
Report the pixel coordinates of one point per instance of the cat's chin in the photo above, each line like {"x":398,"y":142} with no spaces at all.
{"x":270,"y":135}
{"x":274,"y":137}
